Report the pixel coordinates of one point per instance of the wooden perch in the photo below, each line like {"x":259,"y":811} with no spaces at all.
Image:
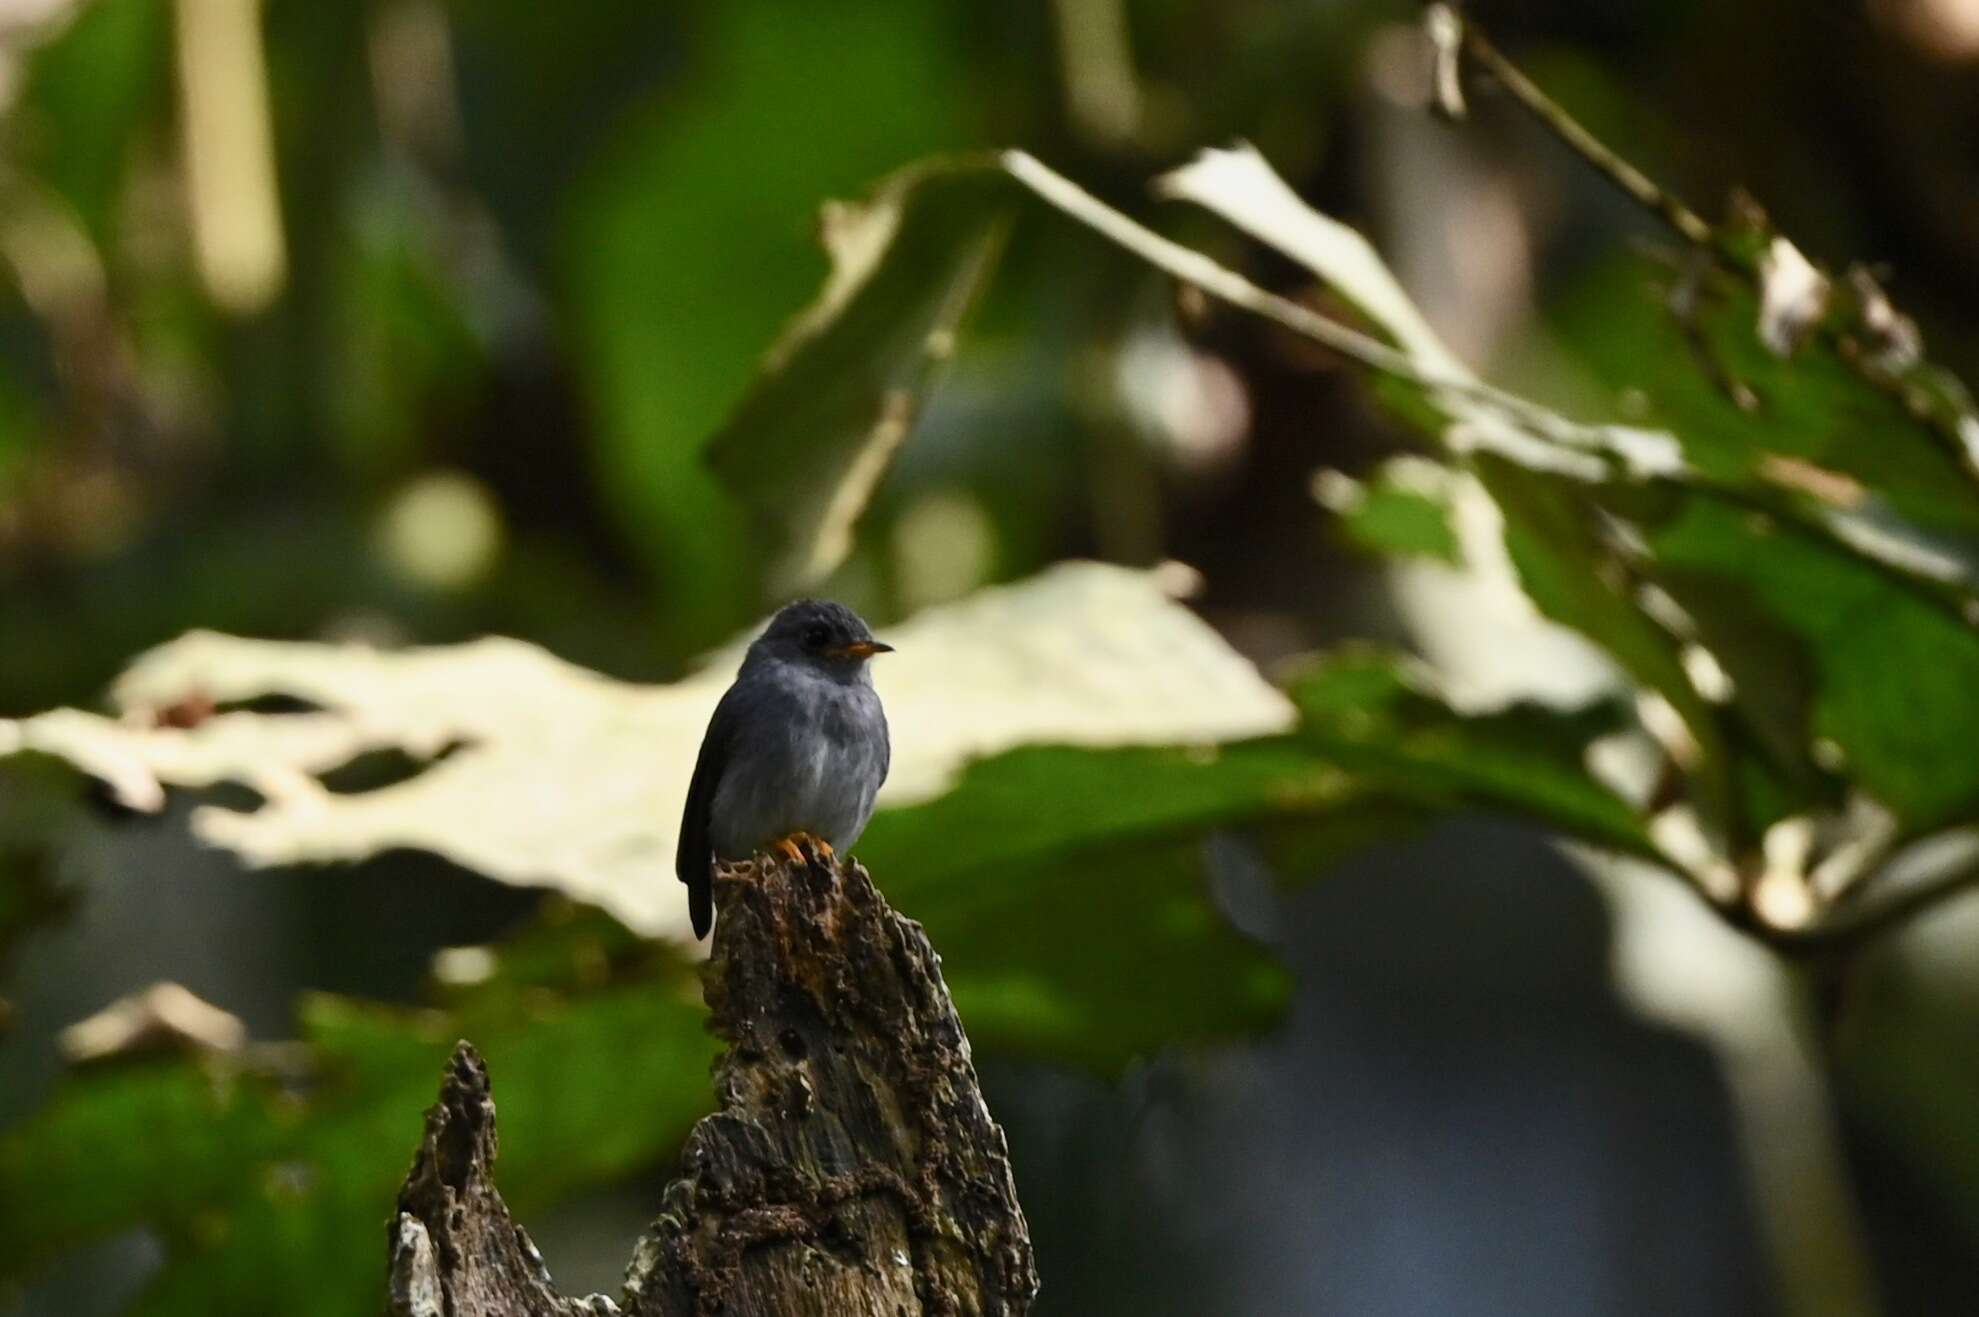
{"x":852,"y":1169}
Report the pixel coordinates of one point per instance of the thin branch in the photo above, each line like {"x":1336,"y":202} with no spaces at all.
{"x":1688,"y":224}
{"x":1193,"y":268}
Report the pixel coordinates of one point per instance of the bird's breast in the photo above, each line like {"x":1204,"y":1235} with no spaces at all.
{"x":813,"y":764}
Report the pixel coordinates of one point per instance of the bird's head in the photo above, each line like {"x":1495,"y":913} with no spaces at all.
{"x":820,"y":634}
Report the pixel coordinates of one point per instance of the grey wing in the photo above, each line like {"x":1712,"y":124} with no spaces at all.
{"x":694,"y":860}
{"x":886,"y":750}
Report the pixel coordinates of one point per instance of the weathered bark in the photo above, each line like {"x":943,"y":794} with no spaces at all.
{"x":852,"y":1169}
{"x":454,"y":1249}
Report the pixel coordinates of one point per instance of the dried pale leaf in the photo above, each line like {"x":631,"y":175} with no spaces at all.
{"x":1240,"y":186}
{"x":107,"y":751}
{"x":1895,"y":344}
{"x":164,"y":1017}
{"x":1835,"y":488}
{"x":1444,"y":28}
{"x":1793,"y":296}
{"x":137,"y":759}
{"x":564,"y":778}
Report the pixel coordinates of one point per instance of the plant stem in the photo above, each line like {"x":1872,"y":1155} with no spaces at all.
{"x":1687,"y":222}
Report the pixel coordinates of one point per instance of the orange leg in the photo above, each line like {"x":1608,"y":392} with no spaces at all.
{"x":804,"y":848}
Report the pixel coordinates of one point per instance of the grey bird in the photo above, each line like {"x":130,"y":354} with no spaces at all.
{"x":794,"y":754}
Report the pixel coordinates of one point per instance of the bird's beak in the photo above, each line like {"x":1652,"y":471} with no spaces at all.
{"x":862,"y":649}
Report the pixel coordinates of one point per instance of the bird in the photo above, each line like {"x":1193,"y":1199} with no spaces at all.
{"x":794,"y":754}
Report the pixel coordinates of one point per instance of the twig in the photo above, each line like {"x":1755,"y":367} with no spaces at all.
{"x":1684,"y":304}
{"x":1687,"y":222}
{"x":1193,"y":268}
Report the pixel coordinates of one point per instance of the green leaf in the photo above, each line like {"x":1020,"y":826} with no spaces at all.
{"x":90,"y":97}
{"x":1066,"y":887}
{"x":1092,"y":960}
{"x":1808,"y":433}
{"x":1371,"y":713}
{"x":1042,"y":801}
{"x":1859,"y":450}
{"x":1576,"y":579}
{"x":1066,"y":891}
{"x":841,"y":390}
{"x":1891,"y":671}
{"x":1400,"y":513}
{"x":677,"y":276}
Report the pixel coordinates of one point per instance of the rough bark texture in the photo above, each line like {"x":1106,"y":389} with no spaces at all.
{"x":454,"y":1249}
{"x":852,"y":1169}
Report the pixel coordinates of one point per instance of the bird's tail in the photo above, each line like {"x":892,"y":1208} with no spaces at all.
{"x":701,"y":903}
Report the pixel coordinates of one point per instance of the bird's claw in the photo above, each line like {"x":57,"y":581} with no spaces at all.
{"x":804,"y":848}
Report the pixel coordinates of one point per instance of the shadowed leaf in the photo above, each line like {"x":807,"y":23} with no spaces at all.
{"x":841,"y":390}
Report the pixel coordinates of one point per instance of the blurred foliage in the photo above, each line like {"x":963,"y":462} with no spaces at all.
{"x":37,"y":804}
{"x":1402,"y":512}
{"x":840,"y":391}
{"x":273,"y":1169}
{"x":810,"y":100}
{"x":546,"y":263}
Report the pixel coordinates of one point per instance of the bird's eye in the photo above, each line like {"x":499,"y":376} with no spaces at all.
{"x":816,"y":637}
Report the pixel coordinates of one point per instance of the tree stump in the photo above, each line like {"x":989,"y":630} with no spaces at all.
{"x":851,"y":1170}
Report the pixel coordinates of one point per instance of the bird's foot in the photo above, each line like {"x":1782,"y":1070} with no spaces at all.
{"x":804,"y":848}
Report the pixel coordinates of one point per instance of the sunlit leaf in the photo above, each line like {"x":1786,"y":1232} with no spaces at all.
{"x":559,"y":777}
{"x":1891,"y":673}
{"x":1377,"y":717}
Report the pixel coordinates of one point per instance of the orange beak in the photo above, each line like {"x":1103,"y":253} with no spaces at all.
{"x":862,"y":649}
